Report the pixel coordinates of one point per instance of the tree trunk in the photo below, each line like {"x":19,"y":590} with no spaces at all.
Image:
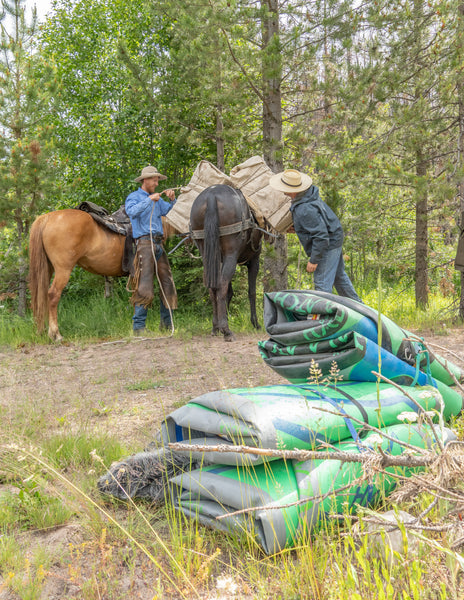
{"x":22,"y":287}
{"x":421,"y":274}
{"x":275,"y":276}
{"x":422,"y":242}
{"x":460,"y":149}
{"x":220,"y":162}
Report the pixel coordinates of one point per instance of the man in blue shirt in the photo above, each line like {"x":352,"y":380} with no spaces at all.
{"x":319,"y":231}
{"x":145,"y":208}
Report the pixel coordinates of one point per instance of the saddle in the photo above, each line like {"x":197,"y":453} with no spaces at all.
{"x":118,"y":222}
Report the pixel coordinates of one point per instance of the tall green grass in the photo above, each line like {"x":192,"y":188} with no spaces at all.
{"x":179,"y":557}
{"x":93,"y":317}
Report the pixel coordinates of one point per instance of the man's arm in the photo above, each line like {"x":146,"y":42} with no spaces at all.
{"x":134,"y":205}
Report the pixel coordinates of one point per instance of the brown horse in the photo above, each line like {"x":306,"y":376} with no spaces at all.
{"x":226,"y":234}
{"x":59,"y":241}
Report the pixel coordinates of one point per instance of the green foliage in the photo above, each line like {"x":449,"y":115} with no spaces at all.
{"x":369,"y":107}
{"x":31,"y":508}
{"x":27,"y":88}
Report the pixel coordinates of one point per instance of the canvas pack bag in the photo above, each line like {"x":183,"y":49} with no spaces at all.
{"x":252,"y":179}
{"x":205,"y":174}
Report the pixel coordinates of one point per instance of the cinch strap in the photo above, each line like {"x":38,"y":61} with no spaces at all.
{"x":428,"y":372}
{"x":354,"y":434}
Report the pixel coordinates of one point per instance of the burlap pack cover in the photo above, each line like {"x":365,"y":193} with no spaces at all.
{"x":252,"y":178}
{"x":205,"y":174}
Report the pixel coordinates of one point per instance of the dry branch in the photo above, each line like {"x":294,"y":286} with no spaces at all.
{"x":369,"y":456}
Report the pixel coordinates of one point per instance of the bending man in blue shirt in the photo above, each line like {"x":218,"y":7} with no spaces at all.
{"x":145,"y":209}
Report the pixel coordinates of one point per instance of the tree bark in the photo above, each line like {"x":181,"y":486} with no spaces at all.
{"x":220,"y":161}
{"x":460,"y":149}
{"x":275,"y":275}
{"x":421,"y":273}
{"x":421,"y":250}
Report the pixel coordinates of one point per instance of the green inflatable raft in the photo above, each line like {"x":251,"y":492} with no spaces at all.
{"x":296,"y":416}
{"x":286,"y":500}
{"x":218,"y":490}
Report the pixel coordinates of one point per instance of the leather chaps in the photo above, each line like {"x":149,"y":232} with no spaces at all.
{"x":144,"y":271}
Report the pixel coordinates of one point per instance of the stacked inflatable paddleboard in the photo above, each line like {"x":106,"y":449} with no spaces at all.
{"x":327,"y":347}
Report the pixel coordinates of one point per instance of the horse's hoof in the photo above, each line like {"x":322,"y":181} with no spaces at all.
{"x":229,"y":337}
{"x":214,"y":332}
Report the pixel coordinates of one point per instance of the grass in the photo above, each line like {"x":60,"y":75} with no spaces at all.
{"x":439,"y":316}
{"x":175,"y":556}
{"x":94,"y":317}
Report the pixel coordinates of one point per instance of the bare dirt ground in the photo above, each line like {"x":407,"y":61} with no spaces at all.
{"x":124,"y":389}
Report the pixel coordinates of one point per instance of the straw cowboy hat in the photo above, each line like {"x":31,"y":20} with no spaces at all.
{"x":150,"y":172}
{"x":290,"y":181}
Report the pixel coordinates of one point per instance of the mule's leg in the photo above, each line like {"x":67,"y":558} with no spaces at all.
{"x":54,"y":294}
{"x":228,"y":269}
{"x":213,"y":298}
{"x":253,"y":267}
{"x":230,"y":294}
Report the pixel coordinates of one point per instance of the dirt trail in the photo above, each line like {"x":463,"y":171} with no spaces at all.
{"x":126,"y":388}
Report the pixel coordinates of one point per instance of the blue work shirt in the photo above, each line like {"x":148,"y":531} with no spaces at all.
{"x":139,"y":209}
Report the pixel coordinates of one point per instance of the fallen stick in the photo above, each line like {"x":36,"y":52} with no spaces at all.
{"x":369,"y":456}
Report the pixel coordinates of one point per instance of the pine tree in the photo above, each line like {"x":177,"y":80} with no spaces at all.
{"x":26,"y":91}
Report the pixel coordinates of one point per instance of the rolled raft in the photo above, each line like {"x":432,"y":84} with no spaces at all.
{"x":295,"y":416}
{"x":218,"y":490}
{"x":311,"y":325}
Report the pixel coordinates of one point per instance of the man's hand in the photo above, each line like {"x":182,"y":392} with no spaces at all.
{"x":311,"y":267}
{"x":170,"y":194}
{"x":155,"y":197}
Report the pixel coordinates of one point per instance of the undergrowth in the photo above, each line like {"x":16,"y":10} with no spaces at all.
{"x":95,"y":317}
{"x":124,"y":544}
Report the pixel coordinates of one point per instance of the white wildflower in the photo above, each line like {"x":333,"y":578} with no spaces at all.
{"x":430,"y":413}
{"x":375,"y":438}
{"x":94,"y":455}
{"x":227,"y":584}
{"x":407,"y":416}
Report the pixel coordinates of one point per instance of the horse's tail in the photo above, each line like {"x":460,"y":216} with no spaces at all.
{"x":39,"y":273}
{"x":212,"y":257}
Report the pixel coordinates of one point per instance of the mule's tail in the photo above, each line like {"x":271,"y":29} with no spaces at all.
{"x":212,"y":258}
{"x":39,"y":273}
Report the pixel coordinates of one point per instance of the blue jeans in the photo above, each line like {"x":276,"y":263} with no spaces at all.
{"x":330,"y":272}
{"x":140,"y":312}
{"x":140,"y":316}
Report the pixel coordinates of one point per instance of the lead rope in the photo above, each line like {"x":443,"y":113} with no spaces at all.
{"x":165,"y":300}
